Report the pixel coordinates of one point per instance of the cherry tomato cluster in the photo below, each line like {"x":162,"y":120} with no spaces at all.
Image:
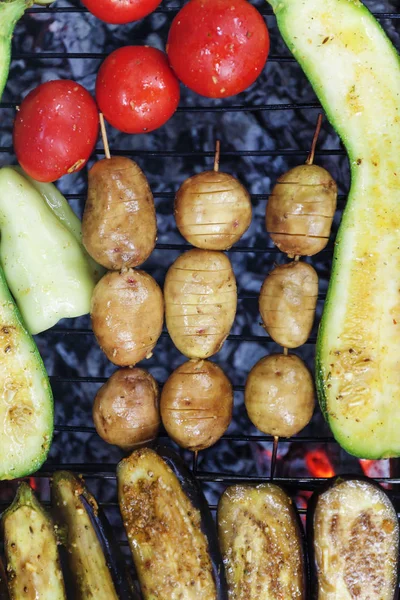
{"x":217,"y":48}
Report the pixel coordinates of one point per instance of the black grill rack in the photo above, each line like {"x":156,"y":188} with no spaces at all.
{"x":102,"y":475}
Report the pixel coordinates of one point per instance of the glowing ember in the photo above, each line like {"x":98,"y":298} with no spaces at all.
{"x":375,"y":468}
{"x":318,"y":464}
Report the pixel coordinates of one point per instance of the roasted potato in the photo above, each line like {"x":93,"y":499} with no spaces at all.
{"x":287,"y":303}
{"x":212,"y":210}
{"x":279,"y":395}
{"x":197,"y":404}
{"x":300,"y":210}
{"x":119,"y":224}
{"x":127,"y":315}
{"x":126,"y":409}
{"x":200,"y":302}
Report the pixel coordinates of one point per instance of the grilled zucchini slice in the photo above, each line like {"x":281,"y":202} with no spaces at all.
{"x":354,"y":541}
{"x":262,"y":544}
{"x":33,"y":565}
{"x":355,"y":71}
{"x":173,"y":544}
{"x":26,"y":400}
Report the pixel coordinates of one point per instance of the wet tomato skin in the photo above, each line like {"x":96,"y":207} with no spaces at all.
{"x":118,"y":12}
{"x":55,"y":130}
{"x":218,"y":48}
{"x":136,"y":89}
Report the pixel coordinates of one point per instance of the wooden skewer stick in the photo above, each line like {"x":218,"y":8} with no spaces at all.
{"x":310,"y":158}
{"x":274,"y":454}
{"x":285,"y":351}
{"x":217,"y":155}
{"x":104,"y":136}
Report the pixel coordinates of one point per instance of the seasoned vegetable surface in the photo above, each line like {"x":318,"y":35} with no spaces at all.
{"x":96,"y":564}
{"x":119,"y":223}
{"x":354,"y":535}
{"x":33,"y":565}
{"x":126,"y":409}
{"x":262,"y":544}
{"x":287,"y":303}
{"x":197,"y":404}
{"x":200,"y":302}
{"x":26,"y":400}
{"x":355,"y":72}
{"x":127,"y":315}
{"x":169,"y":548}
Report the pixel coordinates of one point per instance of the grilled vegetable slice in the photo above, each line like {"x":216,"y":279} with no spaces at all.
{"x":355,"y":72}
{"x":354,"y":534}
{"x":170,"y":529}
{"x":262,"y":543}
{"x":95,"y":561}
{"x":33,"y":564}
{"x":3,"y":583}
{"x":26,"y":401}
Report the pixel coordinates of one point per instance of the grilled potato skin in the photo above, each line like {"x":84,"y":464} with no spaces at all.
{"x":127,"y":315}
{"x":287,"y":303}
{"x":200,"y":302}
{"x":197,"y":404}
{"x":119,"y":226}
{"x":212,"y":210}
{"x":279,"y":395}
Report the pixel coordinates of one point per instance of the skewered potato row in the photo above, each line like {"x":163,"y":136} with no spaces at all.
{"x":200,"y":302}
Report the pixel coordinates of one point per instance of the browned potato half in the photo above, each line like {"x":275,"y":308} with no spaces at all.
{"x":127,"y":315}
{"x":200,"y":302}
{"x":300,"y":210}
{"x":212,"y":210}
{"x":119,"y":225}
{"x":287,"y":303}
{"x":126,"y":409}
{"x":197,"y":404}
{"x":279,"y":395}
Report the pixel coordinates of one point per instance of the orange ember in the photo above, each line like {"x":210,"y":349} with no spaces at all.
{"x":319,"y":464}
{"x":32,"y":483}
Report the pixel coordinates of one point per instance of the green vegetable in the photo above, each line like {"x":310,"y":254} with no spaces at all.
{"x":30,"y":543}
{"x":60,"y":207}
{"x":355,"y":72}
{"x":45,"y":265}
{"x":10,"y":12}
{"x":26,"y":401}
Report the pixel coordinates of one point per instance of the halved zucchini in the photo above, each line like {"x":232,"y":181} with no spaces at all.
{"x":26,"y":400}
{"x":170,"y":529}
{"x":33,"y":565}
{"x":355,"y":71}
{"x":262,"y":544}
{"x":96,"y":565}
{"x":354,"y":541}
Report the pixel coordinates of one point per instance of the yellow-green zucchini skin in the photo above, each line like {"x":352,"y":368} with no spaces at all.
{"x":26,"y":399}
{"x":355,"y":72}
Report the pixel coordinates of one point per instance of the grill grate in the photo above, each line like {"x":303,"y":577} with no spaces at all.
{"x":100,"y":472}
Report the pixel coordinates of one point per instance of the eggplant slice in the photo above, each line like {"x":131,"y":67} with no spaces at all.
{"x":170,"y":528}
{"x":96,"y":564}
{"x":262,"y":543}
{"x":33,"y":566}
{"x":354,"y":537}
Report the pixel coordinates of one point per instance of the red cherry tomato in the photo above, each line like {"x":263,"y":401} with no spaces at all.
{"x":55,"y":130}
{"x":136,"y":89}
{"x":218,"y":48}
{"x":121,"y":11}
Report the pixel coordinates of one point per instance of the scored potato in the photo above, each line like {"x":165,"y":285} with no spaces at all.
{"x":119,"y":226}
{"x":197,"y":404}
{"x":287,"y":303}
{"x":200,"y":302}
{"x":212,"y":210}
{"x":126,"y":409}
{"x":127,"y":315}
{"x":300,"y":210}
{"x":279,"y":395}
